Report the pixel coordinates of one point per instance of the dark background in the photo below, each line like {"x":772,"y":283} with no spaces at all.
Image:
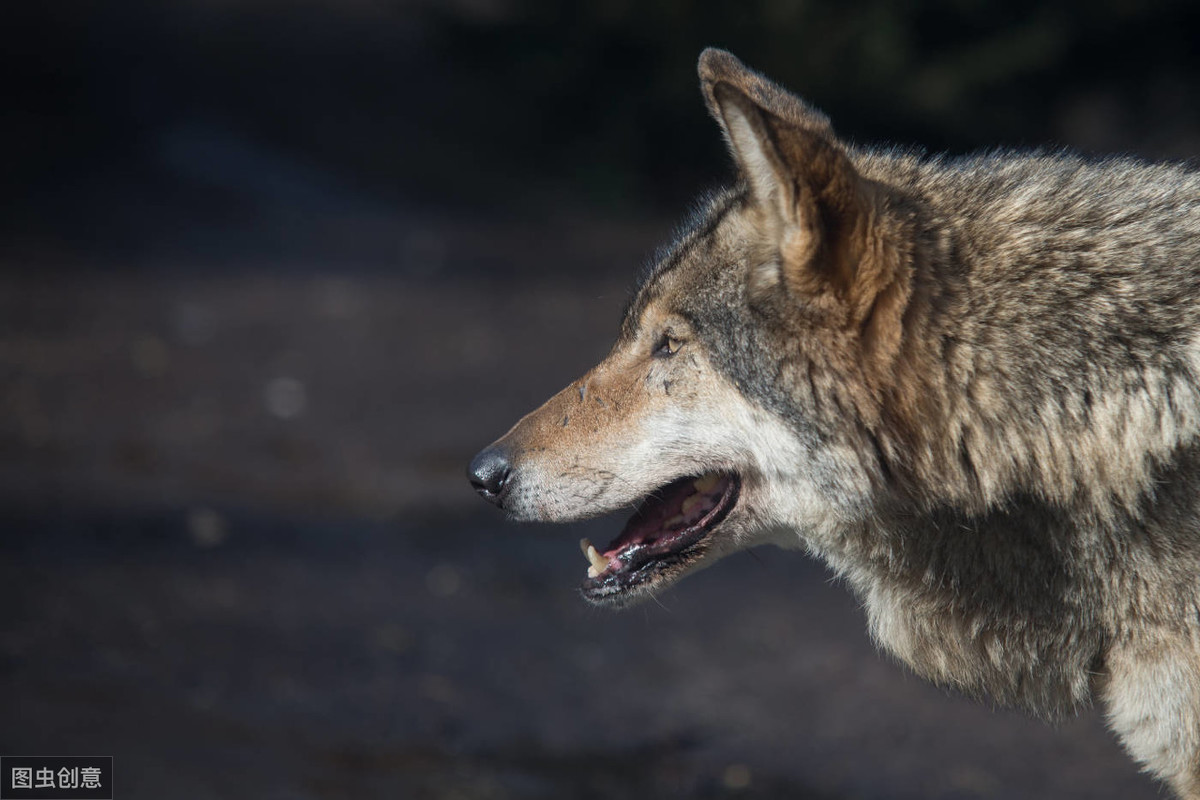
{"x":270,"y":273}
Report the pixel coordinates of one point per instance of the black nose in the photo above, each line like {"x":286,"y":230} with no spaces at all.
{"x":488,"y":473}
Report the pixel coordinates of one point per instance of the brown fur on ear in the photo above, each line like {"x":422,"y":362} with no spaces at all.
{"x":821,"y":216}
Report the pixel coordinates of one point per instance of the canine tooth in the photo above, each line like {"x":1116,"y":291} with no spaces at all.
{"x":599,"y":562}
{"x":592,"y":573}
{"x":584,"y":544}
{"x":707,"y":483}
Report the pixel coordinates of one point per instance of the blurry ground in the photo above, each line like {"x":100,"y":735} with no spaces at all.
{"x":240,"y":556}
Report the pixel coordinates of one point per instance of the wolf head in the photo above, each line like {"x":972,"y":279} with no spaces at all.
{"x":753,"y":364}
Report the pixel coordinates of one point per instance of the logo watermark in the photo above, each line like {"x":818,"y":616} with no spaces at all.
{"x":56,"y":778}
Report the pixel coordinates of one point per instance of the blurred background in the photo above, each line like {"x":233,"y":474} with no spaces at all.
{"x":271,"y":272}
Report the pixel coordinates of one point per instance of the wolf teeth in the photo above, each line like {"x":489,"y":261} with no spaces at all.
{"x":706,"y":483}
{"x":691,"y":503}
{"x":599,"y":562}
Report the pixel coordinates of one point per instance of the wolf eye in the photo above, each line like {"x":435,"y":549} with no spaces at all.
{"x":667,"y":346}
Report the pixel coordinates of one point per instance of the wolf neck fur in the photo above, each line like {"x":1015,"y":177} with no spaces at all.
{"x":958,"y":438}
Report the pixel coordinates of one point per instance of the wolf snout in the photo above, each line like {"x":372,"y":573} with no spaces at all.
{"x":489,"y":471}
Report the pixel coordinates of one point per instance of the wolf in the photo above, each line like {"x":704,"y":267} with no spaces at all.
{"x":970,"y":385}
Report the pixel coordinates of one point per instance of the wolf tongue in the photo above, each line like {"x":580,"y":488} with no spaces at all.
{"x":670,"y":509}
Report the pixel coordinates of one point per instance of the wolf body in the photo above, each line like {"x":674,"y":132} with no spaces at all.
{"x":971,"y":386}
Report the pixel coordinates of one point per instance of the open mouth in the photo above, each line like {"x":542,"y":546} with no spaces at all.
{"x":667,"y":529}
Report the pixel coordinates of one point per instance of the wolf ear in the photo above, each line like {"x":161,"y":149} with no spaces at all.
{"x":816,"y":204}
